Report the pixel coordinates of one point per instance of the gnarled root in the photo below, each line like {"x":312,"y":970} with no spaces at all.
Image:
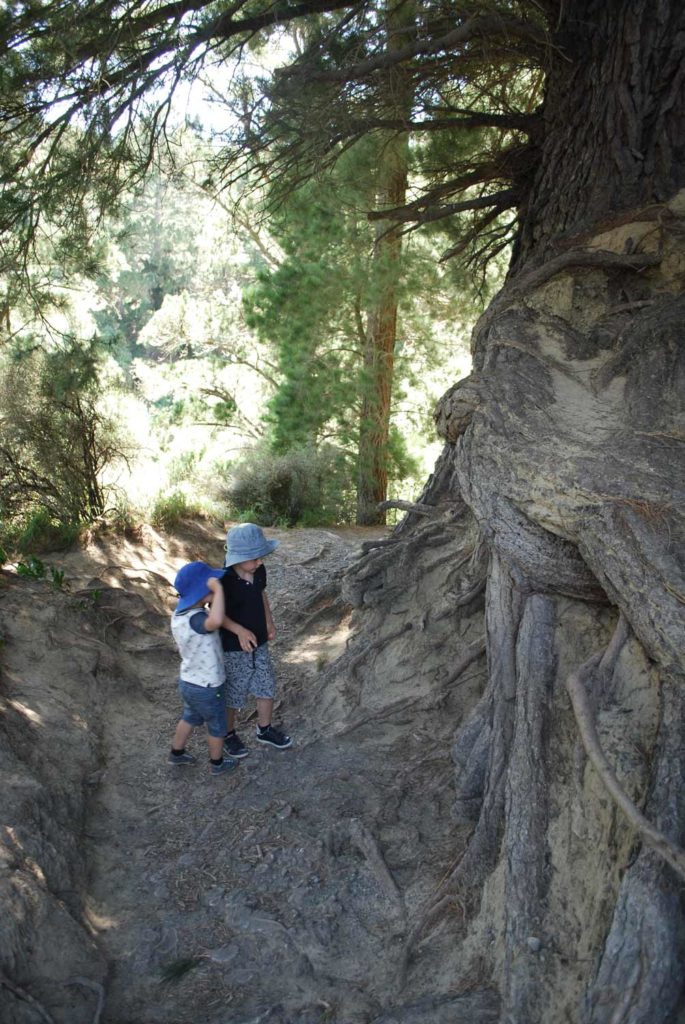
{"x":504,"y":608}
{"x":640,"y":978}
{"x":588,"y":733}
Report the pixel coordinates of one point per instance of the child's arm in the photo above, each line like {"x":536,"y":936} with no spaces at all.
{"x":270,"y":627}
{"x":215,"y":617}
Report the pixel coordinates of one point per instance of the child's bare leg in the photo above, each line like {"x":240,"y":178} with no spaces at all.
{"x":216,"y":747}
{"x":182,"y":735}
{"x":230,"y":719}
{"x":264,"y":711}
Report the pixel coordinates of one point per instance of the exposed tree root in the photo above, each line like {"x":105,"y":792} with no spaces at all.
{"x":409,"y":506}
{"x":471,"y":654}
{"x":471,"y":754}
{"x":355,"y":658}
{"x":555,"y":446}
{"x":26,"y":997}
{"x":504,"y":608}
{"x":464,"y":599}
{"x":525,"y":846}
{"x":639,"y":979}
{"x":367,"y":845}
{"x":531,"y":278}
{"x":333,"y":609}
{"x":97,"y":988}
{"x":323,"y":597}
{"x":372,"y":580}
{"x":615,"y":646}
{"x":575,"y":685}
{"x":369,"y":545}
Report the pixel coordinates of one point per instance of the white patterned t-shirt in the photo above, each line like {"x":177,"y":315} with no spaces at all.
{"x":202,"y":661}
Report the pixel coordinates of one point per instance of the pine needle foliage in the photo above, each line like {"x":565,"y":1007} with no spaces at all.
{"x":312,"y":308}
{"x":86,"y":101}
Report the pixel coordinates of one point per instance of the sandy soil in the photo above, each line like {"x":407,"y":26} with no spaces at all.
{"x":283,"y":892}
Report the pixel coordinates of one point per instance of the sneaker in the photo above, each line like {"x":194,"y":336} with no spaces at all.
{"x":274,"y":737}
{"x":181,"y":758}
{"x":234,"y":746}
{"x":227,"y":765}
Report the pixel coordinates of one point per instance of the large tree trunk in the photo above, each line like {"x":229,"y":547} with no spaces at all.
{"x":613,"y":120}
{"x":566,"y":446}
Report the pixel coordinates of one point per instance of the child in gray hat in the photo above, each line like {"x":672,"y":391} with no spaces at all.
{"x":247,"y":628}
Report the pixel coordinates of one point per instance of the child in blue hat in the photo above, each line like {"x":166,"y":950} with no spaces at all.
{"x":248,"y":626}
{"x":202,"y":682}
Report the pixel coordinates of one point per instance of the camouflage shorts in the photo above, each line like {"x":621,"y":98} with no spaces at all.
{"x":248,"y":672}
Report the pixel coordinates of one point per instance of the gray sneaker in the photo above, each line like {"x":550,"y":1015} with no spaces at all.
{"x":227,"y":765}
{"x":181,"y":758}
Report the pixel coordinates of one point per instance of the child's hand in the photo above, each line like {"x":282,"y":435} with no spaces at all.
{"x":246,"y":638}
{"x":270,"y":631}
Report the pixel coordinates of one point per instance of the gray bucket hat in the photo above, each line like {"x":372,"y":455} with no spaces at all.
{"x":245,"y":542}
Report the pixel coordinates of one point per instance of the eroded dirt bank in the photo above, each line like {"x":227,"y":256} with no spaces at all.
{"x":133,"y":893}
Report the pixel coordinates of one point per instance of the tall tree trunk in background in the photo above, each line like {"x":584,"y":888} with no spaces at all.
{"x":381,"y":329}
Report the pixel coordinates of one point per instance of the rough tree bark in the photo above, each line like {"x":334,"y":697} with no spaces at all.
{"x":566,"y":447}
{"x":381,"y":330}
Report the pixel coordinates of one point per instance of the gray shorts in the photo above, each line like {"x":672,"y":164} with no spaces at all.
{"x":248,"y":672}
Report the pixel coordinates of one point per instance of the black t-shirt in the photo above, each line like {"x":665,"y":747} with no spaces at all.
{"x":245,"y":605}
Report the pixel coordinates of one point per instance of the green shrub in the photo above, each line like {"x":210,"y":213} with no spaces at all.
{"x":58,"y":578}
{"x":34,"y":569}
{"x":306,"y":487}
{"x":56,"y":440}
{"x":170,"y":509}
{"x":184,"y":468}
{"x":123,"y":518}
{"x":38,"y":531}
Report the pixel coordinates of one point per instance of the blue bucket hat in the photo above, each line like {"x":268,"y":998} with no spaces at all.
{"x":245,"y":542}
{"x":191,"y":583}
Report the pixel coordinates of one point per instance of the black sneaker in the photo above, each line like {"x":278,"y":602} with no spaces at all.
{"x":234,"y":746}
{"x":227,"y":765}
{"x":181,"y":759}
{"x":274,"y":737}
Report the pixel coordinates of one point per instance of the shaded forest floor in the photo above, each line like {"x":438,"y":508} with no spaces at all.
{"x":283,"y":892}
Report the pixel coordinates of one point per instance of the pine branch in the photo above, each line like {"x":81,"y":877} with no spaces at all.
{"x":486,"y":26}
{"x":475,"y":119}
{"x":503,"y":200}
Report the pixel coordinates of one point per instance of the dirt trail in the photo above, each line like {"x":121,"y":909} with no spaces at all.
{"x":284,"y":892}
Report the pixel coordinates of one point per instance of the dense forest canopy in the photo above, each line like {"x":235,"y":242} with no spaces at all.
{"x":472,"y":79}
